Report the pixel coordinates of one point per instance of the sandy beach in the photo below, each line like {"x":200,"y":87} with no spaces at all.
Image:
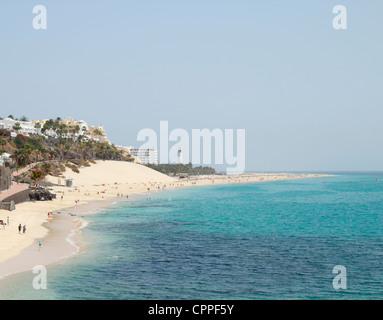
{"x":93,"y":188}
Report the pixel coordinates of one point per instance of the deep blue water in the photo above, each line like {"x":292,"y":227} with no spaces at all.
{"x":268,"y":240}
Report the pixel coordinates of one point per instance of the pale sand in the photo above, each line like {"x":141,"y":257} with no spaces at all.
{"x":94,"y":187}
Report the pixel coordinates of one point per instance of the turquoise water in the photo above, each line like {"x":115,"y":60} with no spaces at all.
{"x":269,"y":240}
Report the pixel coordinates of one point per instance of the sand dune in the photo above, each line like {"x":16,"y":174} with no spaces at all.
{"x":110,"y":172}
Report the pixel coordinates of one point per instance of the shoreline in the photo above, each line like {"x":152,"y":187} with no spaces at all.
{"x":61,"y":234}
{"x":62,"y":241}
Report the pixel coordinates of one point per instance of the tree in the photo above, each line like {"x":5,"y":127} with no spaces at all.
{"x":38,"y":127}
{"x":62,"y":126}
{"x":85,"y":132}
{"x":11,"y":117}
{"x":97,"y":132}
{"x":17,"y":127}
{"x":23,"y":118}
{"x":21,"y":156}
{"x":48,"y":125}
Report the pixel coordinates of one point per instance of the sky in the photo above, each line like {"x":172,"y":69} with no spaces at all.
{"x":309,"y":97}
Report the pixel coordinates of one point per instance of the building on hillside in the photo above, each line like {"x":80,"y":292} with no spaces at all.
{"x":97,"y":133}
{"x":146,"y":155}
{"x":5,"y":157}
{"x":126,"y":151}
{"x":26,"y":127}
{"x":73,"y":129}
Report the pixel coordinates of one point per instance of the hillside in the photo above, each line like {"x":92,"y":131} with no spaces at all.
{"x":35,"y":148}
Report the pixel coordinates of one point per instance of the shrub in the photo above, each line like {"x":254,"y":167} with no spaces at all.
{"x":36,"y":174}
{"x":4,"y":133}
{"x":46,"y":167}
{"x":20,"y":141}
{"x":34,"y":143}
{"x":73,"y":167}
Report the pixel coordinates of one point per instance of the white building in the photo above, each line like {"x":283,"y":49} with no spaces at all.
{"x":5,"y":157}
{"x":95,"y":133}
{"x":27,"y":127}
{"x":146,"y":156}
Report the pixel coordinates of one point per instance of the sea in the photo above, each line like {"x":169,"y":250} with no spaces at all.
{"x":302,"y":239}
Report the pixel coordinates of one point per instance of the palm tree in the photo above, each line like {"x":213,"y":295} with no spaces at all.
{"x":97,"y":132}
{"x":61,"y":129}
{"x":17,"y":127}
{"x":38,"y":127}
{"x":21,"y":156}
{"x":52,"y":153}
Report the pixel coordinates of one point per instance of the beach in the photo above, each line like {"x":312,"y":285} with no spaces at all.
{"x":93,"y":188}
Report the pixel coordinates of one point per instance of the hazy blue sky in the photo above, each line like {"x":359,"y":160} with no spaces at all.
{"x":310,"y":97}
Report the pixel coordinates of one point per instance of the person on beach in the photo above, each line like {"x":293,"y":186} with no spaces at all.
{"x":7,"y":221}
{"x":24,"y":228}
{"x":39,"y":244}
{"x":19,"y":228}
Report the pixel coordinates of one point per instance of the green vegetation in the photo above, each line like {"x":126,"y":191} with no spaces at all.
{"x":20,"y":141}
{"x":52,"y":156}
{"x":35,"y":148}
{"x":36,"y":174}
{"x":17,"y":126}
{"x":4,"y":133}
{"x":176,"y":169}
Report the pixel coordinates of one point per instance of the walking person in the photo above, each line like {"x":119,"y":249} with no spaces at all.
{"x":7,"y":221}
{"x":19,"y":228}
{"x":24,"y":228}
